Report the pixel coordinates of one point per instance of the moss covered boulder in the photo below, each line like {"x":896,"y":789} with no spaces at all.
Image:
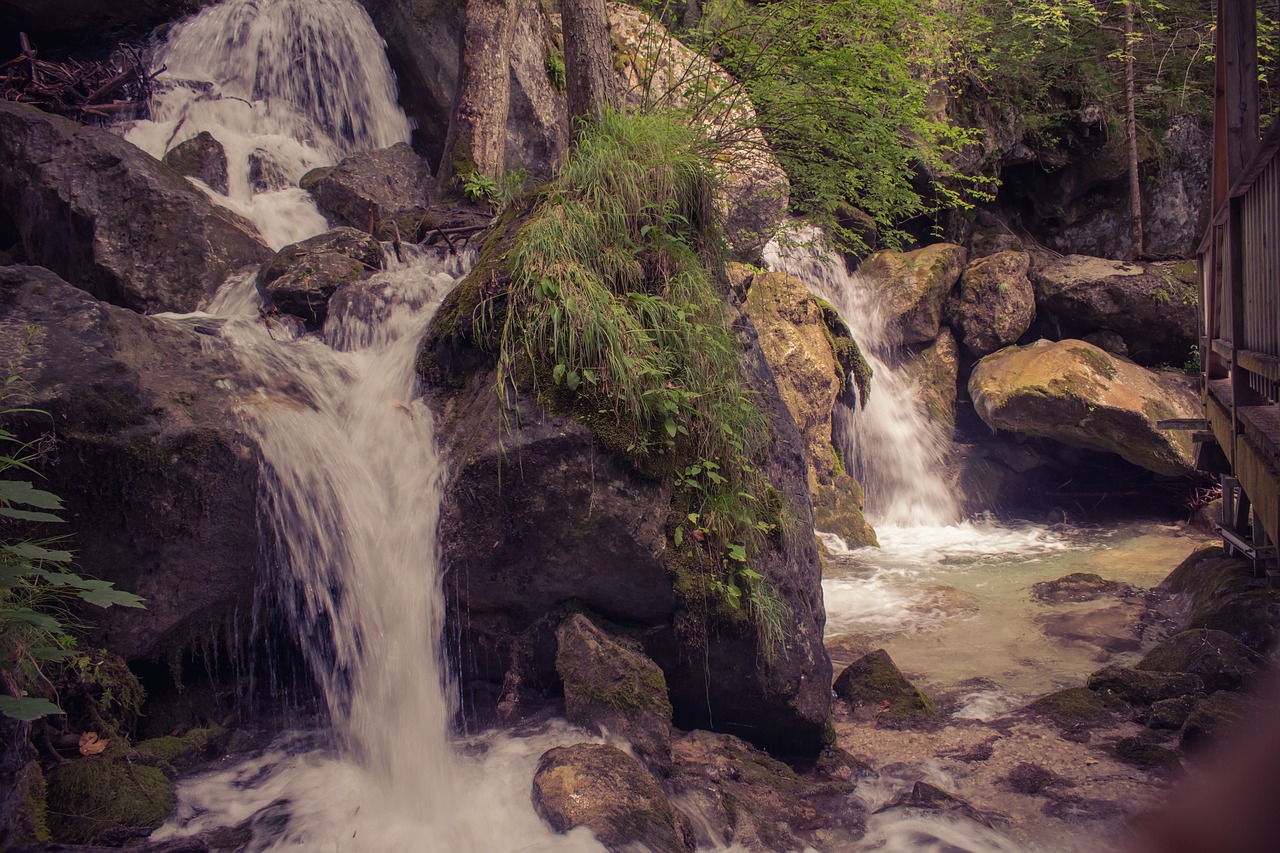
{"x":912,"y":287}
{"x":1213,"y":716}
{"x":1139,"y":687}
{"x":302,"y":277}
{"x":607,"y":791}
{"x":994,"y":304}
{"x":838,"y":509}
{"x":1220,"y":660}
{"x":1076,"y":710}
{"x":1078,"y":586}
{"x":1085,"y":397}
{"x":934,"y":370}
{"x":875,"y":682}
{"x":1222,"y":594}
{"x":1151,"y":306}
{"x":610,"y":685}
{"x":93,"y":794}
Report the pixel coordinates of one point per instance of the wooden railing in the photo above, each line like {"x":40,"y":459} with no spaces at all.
{"x":1240,"y":342}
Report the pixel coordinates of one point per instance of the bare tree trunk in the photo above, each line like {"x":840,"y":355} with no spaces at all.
{"x":476,"y":141}
{"x":589,"y":78}
{"x":1131,"y":133}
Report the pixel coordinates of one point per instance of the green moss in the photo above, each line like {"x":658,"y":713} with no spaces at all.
{"x":93,"y":794}
{"x":1075,"y":706}
{"x":170,"y":748}
{"x":874,"y":681}
{"x":849,"y":358}
{"x":1096,"y":361}
{"x":35,"y":806}
{"x":1145,"y":752}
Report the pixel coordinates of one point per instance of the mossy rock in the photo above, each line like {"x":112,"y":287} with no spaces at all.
{"x":1146,"y":752}
{"x":1172,"y":713}
{"x":609,"y":684}
{"x":875,"y":681}
{"x":837,"y":509}
{"x":1221,"y":661}
{"x":1224,"y":596}
{"x":1212,"y":717}
{"x":1139,"y":687}
{"x":1077,"y":586}
{"x":93,"y":794}
{"x":1075,"y":709}
{"x":175,"y":752}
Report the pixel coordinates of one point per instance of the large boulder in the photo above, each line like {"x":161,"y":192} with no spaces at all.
{"x":201,"y":157}
{"x":302,"y":277}
{"x":544,"y":511}
{"x":1221,"y":661}
{"x":610,"y":685}
{"x":160,"y":486}
{"x":1082,"y":396}
{"x":1221,"y":593}
{"x":111,"y":219}
{"x":607,"y":791}
{"x":911,"y":288}
{"x":384,"y":192}
{"x":1153,"y":307}
{"x":874,"y":682}
{"x":994,"y":304}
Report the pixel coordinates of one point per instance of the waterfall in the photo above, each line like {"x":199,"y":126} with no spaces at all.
{"x":285,"y":86}
{"x":890,"y":445}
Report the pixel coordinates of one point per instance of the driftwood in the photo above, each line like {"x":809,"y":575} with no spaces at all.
{"x":85,"y":91}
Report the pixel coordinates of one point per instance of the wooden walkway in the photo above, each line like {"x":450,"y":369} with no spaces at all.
{"x":1240,"y":299}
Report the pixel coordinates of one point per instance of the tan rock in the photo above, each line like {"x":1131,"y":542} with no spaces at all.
{"x":912,"y":287}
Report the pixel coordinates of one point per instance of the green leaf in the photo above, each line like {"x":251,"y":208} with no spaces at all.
{"x":738,"y":552}
{"x":27,"y":515}
{"x":27,"y":708}
{"x":671,"y":427}
{"x":108,"y":596}
{"x":557,"y":373}
{"x":22,"y":492}
{"x":693,"y":516}
{"x":31,"y":551}
{"x":27,"y":616}
{"x":678,"y":536}
{"x":573,"y":380}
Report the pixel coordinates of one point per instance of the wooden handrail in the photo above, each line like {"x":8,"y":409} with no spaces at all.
{"x":1262,"y":157}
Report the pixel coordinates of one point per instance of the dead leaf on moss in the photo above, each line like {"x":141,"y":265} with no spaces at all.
{"x":91,"y":744}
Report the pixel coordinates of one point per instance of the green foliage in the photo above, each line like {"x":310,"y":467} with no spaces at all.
{"x":479,"y":187}
{"x":555,"y":69}
{"x":35,"y":584}
{"x":612,"y":310}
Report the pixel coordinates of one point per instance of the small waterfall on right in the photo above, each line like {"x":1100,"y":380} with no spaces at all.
{"x":890,"y":445}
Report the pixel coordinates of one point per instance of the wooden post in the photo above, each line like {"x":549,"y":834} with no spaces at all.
{"x":1238,"y":53}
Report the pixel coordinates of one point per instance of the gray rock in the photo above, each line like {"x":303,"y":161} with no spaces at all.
{"x":302,"y":277}
{"x":371,"y":190}
{"x":1172,"y":713}
{"x":111,"y":219}
{"x":607,"y":791}
{"x":1138,"y":687}
{"x":90,"y":17}
{"x":1175,"y":199}
{"x":201,"y":157}
{"x":934,"y":371}
{"x":930,"y":798}
{"x":1221,"y":593}
{"x":1078,"y":586}
{"x":874,"y":681}
{"x":1151,"y":306}
{"x":994,"y":304}
{"x":912,"y":287}
{"x":610,"y":685}
{"x":1212,"y":717}
{"x":1075,"y":393}
{"x":160,"y":486}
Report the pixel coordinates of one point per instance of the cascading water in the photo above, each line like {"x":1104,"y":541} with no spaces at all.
{"x":890,"y":444}
{"x":285,"y":86}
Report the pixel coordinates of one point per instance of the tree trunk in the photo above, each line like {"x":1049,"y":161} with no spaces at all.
{"x":589,"y":78}
{"x":476,"y":141}
{"x":1131,"y":133}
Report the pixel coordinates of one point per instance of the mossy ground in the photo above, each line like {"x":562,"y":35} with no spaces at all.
{"x":92,"y":794}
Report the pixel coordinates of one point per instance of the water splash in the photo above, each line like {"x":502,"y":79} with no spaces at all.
{"x":285,"y":86}
{"x":890,"y":445}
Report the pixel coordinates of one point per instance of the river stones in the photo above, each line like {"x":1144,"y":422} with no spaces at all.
{"x":1211,"y":717}
{"x":611,"y":686}
{"x":1151,"y":306}
{"x":874,"y":682}
{"x":1075,"y":710}
{"x":1220,"y":660}
{"x":1078,"y":586}
{"x":1222,"y":594}
{"x":607,"y":791}
{"x":1082,"y":396}
{"x":302,"y":277}
{"x":1139,"y":687}
{"x":110,"y":219}
{"x":994,"y":303}
{"x":911,"y":287}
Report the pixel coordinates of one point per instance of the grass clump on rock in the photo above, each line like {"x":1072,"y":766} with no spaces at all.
{"x":611,"y":310}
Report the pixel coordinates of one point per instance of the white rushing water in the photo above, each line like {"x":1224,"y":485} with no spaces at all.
{"x":285,"y":86}
{"x":890,"y":445}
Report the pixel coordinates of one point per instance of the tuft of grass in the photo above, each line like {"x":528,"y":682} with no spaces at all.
{"x":612,"y":307}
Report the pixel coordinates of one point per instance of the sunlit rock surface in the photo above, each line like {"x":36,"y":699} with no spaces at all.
{"x":912,"y":286}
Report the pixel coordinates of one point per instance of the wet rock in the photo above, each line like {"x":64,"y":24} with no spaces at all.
{"x":745,"y":798}
{"x":1112,"y":629}
{"x":995,"y":303}
{"x":1171,"y":713}
{"x":1152,"y":306}
{"x":1075,"y":393}
{"x":837,"y":508}
{"x":1075,"y":710}
{"x":604,"y":789}
{"x":1212,"y":717}
{"x":875,"y":682}
{"x":1221,"y":661}
{"x":933,"y":370}
{"x":610,"y":685}
{"x":159,"y":484}
{"x":912,"y":286}
{"x":1073,"y":809}
{"x":71,"y":18}
{"x":1032,"y":779}
{"x":1221,"y":593}
{"x":201,"y":157}
{"x":796,"y":344}
{"x":112,"y":220}
{"x":384,"y":192}
{"x":302,"y":277}
{"x":1146,"y":752}
{"x":1138,"y":687}
{"x":1078,"y":586}
{"x":266,"y":174}
{"x":930,"y":798}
